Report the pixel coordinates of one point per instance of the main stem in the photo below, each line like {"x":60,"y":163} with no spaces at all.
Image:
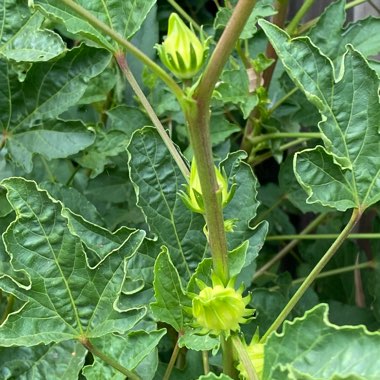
{"x":356,"y":214}
{"x":197,"y":111}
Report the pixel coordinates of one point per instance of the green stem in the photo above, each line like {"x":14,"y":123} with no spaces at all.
{"x":256,"y":160}
{"x":197,"y":111}
{"x":244,"y":358}
{"x":162,"y":74}
{"x":323,"y":236}
{"x":228,"y":358}
{"x":120,"y":58}
{"x":172,"y":361}
{"x":284,"y":135}
{"x":356,"y":214}
{"x":334,"y":272}
{"x":265,"y":213}
{"x":205,"y":361}
{"x":299,"y":16}
{"x":184,"y":14}
{"x":113,"y":363}
{"x":283,"y":99}
{"x":312,"y":22}
{"x":314,"y":224}
{"x":354,"y":3}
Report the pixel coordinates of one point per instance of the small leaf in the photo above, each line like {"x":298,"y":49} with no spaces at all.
{"x":192,"y":340}
{"x":312,"y":347}
{"x":64,"y":299}
{"x":170,"y":296}
{"x":61,"y":361}
{"x":346,"y":173}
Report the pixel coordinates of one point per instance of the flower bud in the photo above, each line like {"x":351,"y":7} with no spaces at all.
{"x":193,"y":197}
{"x":220,"y":309}
{"x":181,"y":52}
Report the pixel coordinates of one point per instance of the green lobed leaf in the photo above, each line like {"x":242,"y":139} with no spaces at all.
{"x":157,"y":181}
{"x":312,"y":348}
{"x":59,"y":361}
{"x":128,"y":350}
{"x":331,"y":37}
{"x":64,"y":299}
{"x":346,"y":173}
{"x":30,"y":43}
{"x":125,"y":17}
{"x":234,"y":88}
{"x":170,"y":296}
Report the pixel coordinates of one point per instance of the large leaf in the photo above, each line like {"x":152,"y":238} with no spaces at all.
{"x":49,"y":89}
{"x":312,"y":348}
{"x":64,"y":299}
{"x":170,"y":296}
{"x":157,"y":180}
{"x":125,"y":17}
{"x":331,"y":37}
{"x":346,"y":172}
{"x":59,"y":361}
{"x":31,"y":43}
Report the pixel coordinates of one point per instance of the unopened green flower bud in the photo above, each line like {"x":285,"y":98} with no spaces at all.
{"x":193,"y":197}
{"x":181,"y":52}
{"x":220,"y":309}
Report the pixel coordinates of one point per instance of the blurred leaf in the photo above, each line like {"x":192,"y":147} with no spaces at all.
{"x":312,"y":348}
{"x":60,"y":361}
{"x":192,"y":340}
{"x":64,"y":295}
{"x":345,"y":173}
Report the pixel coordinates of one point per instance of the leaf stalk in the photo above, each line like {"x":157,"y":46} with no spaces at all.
{"x":113,"y":363}
{"x":356,"y":214}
